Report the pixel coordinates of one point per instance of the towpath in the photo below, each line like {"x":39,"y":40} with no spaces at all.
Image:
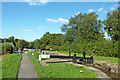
{"x":26,"y":69}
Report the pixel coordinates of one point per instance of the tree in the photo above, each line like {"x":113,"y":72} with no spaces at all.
{"x":42,"y":46}
{"x":30,"y":45}
{"x":46,"y":38}
{"x":6,"y":48}
{"x":15,"y":43}
{"x":22,"y":44}
{"x":51,"y":41}
{"x":11,"y":39}
{"x":37,"y":44}
{"x":1,"y":40}
{"x":111,"y":25}
{"x":83,"y":25}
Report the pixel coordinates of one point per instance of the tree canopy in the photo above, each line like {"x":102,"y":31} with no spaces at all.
{"x":111,"y":25}
{"x":83,"y":25}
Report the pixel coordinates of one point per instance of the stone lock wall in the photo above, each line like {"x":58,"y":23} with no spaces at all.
{"x":110,"y":67}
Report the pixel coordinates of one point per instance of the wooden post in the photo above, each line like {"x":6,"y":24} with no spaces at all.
{"x":84,"y":55}
{"x":69,"y":53}
{"x":91,"y":59}
{"x":74,"y":58}
{"x":84,"y":60}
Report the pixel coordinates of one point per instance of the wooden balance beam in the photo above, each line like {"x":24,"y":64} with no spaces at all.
{"x":74,"y":57}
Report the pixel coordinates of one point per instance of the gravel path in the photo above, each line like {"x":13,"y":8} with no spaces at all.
{"x":26,"y":69}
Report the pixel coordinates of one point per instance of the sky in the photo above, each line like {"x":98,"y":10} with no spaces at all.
{"x":31,"y":20}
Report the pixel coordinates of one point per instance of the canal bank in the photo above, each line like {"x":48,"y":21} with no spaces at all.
{"x":104,"y":69}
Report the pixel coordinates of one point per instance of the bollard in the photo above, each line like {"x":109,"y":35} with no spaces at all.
{"x":32,"y":53}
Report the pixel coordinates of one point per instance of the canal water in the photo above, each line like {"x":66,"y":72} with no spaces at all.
{"x":109,"y":74}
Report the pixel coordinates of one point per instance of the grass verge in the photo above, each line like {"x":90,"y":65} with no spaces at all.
{"x":59,"y":70}
{"x":0,"y":67}
{"x":10,"y":65}
{"x":99,"y":58}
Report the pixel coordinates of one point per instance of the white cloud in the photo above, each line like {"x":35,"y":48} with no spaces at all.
{"x":100,"y":9}
{"x":61,"y":20}
{"x":75,"y":14}
{"x":43,"y":2}
{"x":104,"y":12}
{"x":36,"y":2}
{"x":27,"y":0}
{"x":39,"y":3}
{"x":31,"y":30}
{"x":42,"y":27}
{"x":116,"y":5}
{"x":51,"y":20}
{"x":32,"y":3}
{"x":112,"y":8}
{"x":67,"y":0}
{"x":91,"y":10}
{"x":26,"y":30}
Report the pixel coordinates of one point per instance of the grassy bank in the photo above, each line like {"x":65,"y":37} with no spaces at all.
{"x":0,"y":67}
{"x":10,"y":65}
{"x":99,"y":58}
{"x":59,"y":70}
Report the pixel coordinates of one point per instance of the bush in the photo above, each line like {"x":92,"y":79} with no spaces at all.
{"x":9,"y":48}
{"x":102,"y":48}
{"x":65,"y":47}
{"x":43,"y":46}
{"x":49,"y":46}
{"x":56,"y":47}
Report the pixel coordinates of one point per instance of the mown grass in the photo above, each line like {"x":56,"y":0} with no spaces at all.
{"x":10,"y":65}
{"x":0,"y":67}
{"x":99,"y":58}
{"x":59,"y":70}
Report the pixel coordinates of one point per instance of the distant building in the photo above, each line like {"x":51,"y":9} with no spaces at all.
{"x":25,"y":50}
{"x":30,"y":50}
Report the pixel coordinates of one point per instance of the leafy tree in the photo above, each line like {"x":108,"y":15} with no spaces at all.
{"x":111,"y":25}
{"x":30,"y":45}
{"x":11,"y":39}
{"x":43,"y":46}
{"x":50,"y":40}
{"x":37,"y":43}
{"x":83,"y":25}
{"x":16,"y":40}
{"x":22,"y":44}
{"x":1,"y":40}
{"x":6,"y":48}
{"x":15,"y":43}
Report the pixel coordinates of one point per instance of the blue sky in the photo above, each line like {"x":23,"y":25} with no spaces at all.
{"x":30,"y":20}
